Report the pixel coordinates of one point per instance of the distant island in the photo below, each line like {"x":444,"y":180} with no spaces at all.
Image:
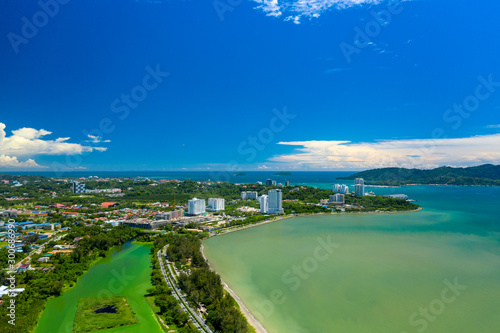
{"x":487,"y":174}
{"x":284,"y":173}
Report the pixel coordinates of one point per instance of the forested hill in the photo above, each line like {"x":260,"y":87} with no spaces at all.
{"x":487,"y":174}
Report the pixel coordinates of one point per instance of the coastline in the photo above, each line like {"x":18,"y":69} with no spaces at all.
{"x":310,"y":214}
{"x":252,"y":321}
{"x":259,"y":328}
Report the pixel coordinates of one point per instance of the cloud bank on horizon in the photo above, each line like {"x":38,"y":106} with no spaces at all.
{"x":25,"y":143}
{"x":415,"y":153}
{"x":295,"y":10}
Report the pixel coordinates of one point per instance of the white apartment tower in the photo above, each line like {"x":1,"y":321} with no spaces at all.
{"x":264,"y":203}
{"x":217,"y":204}
{"x":359,"y":187}
{"x":337,"y":198}
{"x":275,"y":202}
{"x":343,"y":189}
{"x":196,"y":206}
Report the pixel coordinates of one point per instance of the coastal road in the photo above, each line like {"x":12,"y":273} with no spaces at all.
{"x":195,"y":317}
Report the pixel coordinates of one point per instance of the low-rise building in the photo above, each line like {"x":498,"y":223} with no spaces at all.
{"x":249,"y":195}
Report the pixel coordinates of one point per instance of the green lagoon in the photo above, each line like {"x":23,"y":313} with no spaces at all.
{"x":436,"y":271}
{"x":125,"y":272}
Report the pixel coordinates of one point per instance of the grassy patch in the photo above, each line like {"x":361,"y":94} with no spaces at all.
{"x":100,"y":313}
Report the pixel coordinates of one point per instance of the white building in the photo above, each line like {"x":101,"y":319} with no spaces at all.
{"x":360,"y":181}
{"x":196,"y":206}
{"x":216,"y":204}
{"x":275,"y":202}
{"x":250,"y":195}
{"x":343,"y":189}
{"x":264,"y":203}
{"x":78,"y":187}
{"x":359,"y":190}
{"x":337,"y":198}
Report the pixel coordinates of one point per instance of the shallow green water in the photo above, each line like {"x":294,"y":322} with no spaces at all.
{"x":124,"y":273}
{"x":383,"y":269}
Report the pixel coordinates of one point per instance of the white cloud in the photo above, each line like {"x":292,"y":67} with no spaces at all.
{"x":270,"y":7}
{"x":95,"y":139}
{"x":296,"y":9}
{"x":28,"y":142}
{"x":263,"y":166}
{"x":13,"y":163}
{"x":493,"y":126}
{"x":417,"y":153}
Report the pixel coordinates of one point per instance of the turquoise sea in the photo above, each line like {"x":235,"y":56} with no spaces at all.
{"x":436,"y":271}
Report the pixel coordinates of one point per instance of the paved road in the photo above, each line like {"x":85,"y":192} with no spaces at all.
{"x":196,"y":319}
{"x":27,"y":259}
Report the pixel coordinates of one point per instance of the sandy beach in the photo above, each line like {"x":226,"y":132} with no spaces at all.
{"x":248,"y":315}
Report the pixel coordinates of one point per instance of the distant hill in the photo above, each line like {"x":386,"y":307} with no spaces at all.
{"x":487,"y":174}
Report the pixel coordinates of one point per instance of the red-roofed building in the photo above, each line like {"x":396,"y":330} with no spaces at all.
{"x":109,"y":204}
{"x":58,"y":206}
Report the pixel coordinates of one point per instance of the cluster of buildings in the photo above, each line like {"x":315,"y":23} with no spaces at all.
{"x":270,"y":182}
{"x":272,"y":203}
{"x":343,"y":189}
{"x":197,"y":207}
{"x":359,"y":188}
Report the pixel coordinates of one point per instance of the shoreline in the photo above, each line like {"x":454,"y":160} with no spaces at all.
{"x":252,"y":321}
{"x":311,"y":214}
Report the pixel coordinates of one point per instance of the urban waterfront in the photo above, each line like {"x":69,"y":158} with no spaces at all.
{"x":383,"y":269}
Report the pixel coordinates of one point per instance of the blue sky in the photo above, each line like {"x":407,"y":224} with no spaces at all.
{"x":254,"y":84}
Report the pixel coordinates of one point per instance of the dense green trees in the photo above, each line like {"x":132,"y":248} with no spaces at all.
{"x":486,"y":174}
{"x":202,"y":285}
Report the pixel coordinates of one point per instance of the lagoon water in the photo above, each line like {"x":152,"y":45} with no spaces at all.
{"x":387,"y":273}
{"x":125,"y":272}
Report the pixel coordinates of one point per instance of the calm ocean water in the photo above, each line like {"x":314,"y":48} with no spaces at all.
{"x":388,"y":273}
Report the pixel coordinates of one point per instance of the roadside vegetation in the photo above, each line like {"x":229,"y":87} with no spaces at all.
{"x":202,"y":285}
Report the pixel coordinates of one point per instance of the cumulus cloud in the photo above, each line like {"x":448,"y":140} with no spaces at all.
{"x":12,"y":162}
{"x":416,"y":153}
{"x":28,"y":142}
{"x":294,"y":10}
